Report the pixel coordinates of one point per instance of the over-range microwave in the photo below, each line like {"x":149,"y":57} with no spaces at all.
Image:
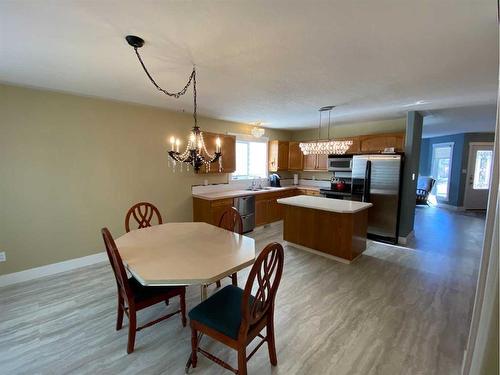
{"x":339,"y":163}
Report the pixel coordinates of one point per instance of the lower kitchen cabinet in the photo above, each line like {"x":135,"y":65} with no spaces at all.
{"x":210,"y":211}
{"x":267,"y":209}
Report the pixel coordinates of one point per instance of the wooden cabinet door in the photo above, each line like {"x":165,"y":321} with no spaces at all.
{"x":228,"y":150}
{"x":378,"y":142}
{"x":274,"y":211}
{"x":261,"y":215}
{"x":283,"y":156}
{"x":322,"y":163}
{"x":218,"y":208}
{"x":310,"y":162}
{"x":295,"y":157}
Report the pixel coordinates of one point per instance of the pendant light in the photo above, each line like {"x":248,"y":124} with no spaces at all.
{"x":195,"y":153}
{"x":325,"y":147}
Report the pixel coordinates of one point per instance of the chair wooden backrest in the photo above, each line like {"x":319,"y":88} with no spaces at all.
{"x":116,"y":263}
{"x":143,"y":213}
{"x":231,"y":220}
{"x":266,"y":274}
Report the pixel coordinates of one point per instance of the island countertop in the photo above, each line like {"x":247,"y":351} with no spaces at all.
{"x":325,"y":204}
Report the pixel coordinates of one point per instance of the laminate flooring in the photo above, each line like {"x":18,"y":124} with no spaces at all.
{"x":393,"y":311}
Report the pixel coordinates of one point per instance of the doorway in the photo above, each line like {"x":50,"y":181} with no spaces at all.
{"x":442,"y":155}
{"x":479,"y":168}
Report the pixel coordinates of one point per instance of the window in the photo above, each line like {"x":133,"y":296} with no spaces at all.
{"x":482,"y":170}
{"x":442,"y":154}
{"x":251,"y":158}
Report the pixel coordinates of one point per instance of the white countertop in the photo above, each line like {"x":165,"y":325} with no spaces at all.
{"x":240,"y":193}
{"x":325,"y":204}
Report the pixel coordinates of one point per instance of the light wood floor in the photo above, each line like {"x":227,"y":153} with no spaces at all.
{"x":394,"y":311}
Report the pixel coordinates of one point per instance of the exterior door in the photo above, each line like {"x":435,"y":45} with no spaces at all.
{"x":478,"y":176}
{"x":442,"y":155}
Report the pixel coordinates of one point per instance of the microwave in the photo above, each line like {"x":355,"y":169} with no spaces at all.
{"x":339,"y":163}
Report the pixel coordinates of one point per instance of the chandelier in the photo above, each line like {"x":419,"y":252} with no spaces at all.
{"x":195,"y":153}
{"x":325,"y":147}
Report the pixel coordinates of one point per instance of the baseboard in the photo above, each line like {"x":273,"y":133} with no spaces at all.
{"x":51,"y":269}
{"x":404,"y":240}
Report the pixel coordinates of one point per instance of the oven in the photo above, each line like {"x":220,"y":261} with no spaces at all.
{"x":339,"y":163}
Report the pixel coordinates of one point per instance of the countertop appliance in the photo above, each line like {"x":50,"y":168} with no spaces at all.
{"x":377,"y":179}
{"x":274,"y":180}
{"x":339,"y":163}
{"x":246,"y":208}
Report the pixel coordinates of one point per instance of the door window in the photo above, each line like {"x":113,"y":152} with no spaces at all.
{"x":442,"y":154}
{"x":482,"y":170}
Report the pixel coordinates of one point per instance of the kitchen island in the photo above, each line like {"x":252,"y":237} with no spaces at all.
{"x":330,"y":227}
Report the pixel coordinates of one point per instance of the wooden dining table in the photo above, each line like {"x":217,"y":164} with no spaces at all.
{"x":184,"y":254}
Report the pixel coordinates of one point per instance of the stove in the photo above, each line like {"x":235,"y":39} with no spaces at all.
{"x":335,"y":194}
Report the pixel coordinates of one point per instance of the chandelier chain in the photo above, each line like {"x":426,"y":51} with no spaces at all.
{"x":177,"y":95}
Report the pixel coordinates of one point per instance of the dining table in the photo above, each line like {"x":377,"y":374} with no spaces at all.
{"x":189,"y":253}
{"x":184,"y":254}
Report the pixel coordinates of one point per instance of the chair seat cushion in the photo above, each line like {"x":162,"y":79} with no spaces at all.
{"x":221,"y":312}
{"x":144,"y":293}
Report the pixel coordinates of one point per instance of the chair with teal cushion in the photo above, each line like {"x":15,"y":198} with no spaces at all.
{"x":235,"y":317}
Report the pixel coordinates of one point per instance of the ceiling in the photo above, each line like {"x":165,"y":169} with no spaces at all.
{"x":275,"y":62}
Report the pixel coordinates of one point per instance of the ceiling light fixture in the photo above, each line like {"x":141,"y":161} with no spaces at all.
{"x":195,"y":154}
{"x":257,"y":131}
{"x":325,"y":147}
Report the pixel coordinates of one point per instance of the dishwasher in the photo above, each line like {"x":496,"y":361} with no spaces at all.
{"x":246,"y":208}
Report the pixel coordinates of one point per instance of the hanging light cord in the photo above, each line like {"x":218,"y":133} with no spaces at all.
{"x":177,"y":95}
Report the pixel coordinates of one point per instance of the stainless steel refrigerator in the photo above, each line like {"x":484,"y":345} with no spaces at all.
{"x":377,"y":179}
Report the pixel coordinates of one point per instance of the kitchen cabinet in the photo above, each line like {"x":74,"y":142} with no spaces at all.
{"x":278,"y":156}
{"x":315,"y":162}
{"x":210,"y":211}
{"x":295,"y":157}
{"x":228,"y":150}
{"x":267,"y":209}
{"x":378,"y":142}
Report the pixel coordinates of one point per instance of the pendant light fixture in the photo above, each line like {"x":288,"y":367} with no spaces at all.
{"x":195,"y":154}
{"x":325,"y":147}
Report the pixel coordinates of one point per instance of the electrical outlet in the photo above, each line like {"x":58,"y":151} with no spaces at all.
{"x":3,"y":257}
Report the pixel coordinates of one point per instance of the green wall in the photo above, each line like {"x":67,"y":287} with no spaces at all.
{"x":70,"y":165}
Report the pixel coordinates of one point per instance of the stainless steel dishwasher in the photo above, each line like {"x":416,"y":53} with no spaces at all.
{"x":246,"y":208}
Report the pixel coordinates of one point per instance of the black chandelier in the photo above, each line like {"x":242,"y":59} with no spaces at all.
{"x":196,"y":153}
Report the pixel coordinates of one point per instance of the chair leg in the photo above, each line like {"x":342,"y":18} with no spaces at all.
{"x":167,"y":302}
{"x":242,"y":361}
{"x":132,"y":329}
{"x":271,"y":343}
{"x":194,"y":347}
{"x":234,"y":279}
{"x":218,"y":283}
{"x":119,"y":317}
{"x":182,"y":298}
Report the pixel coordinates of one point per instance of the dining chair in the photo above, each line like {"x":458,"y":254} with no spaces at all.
{"x":143,"y":213}
{"x":232,"y":221}
{"x":235,"y":317}
{"x":132,"y":296}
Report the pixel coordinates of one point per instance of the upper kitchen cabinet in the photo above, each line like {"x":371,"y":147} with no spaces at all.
{"x":379,"y":142}
{"x":228,"y":150}
{"x":295,"y":157}
{"x":278,"y":156}
{"x":315,"y":162}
